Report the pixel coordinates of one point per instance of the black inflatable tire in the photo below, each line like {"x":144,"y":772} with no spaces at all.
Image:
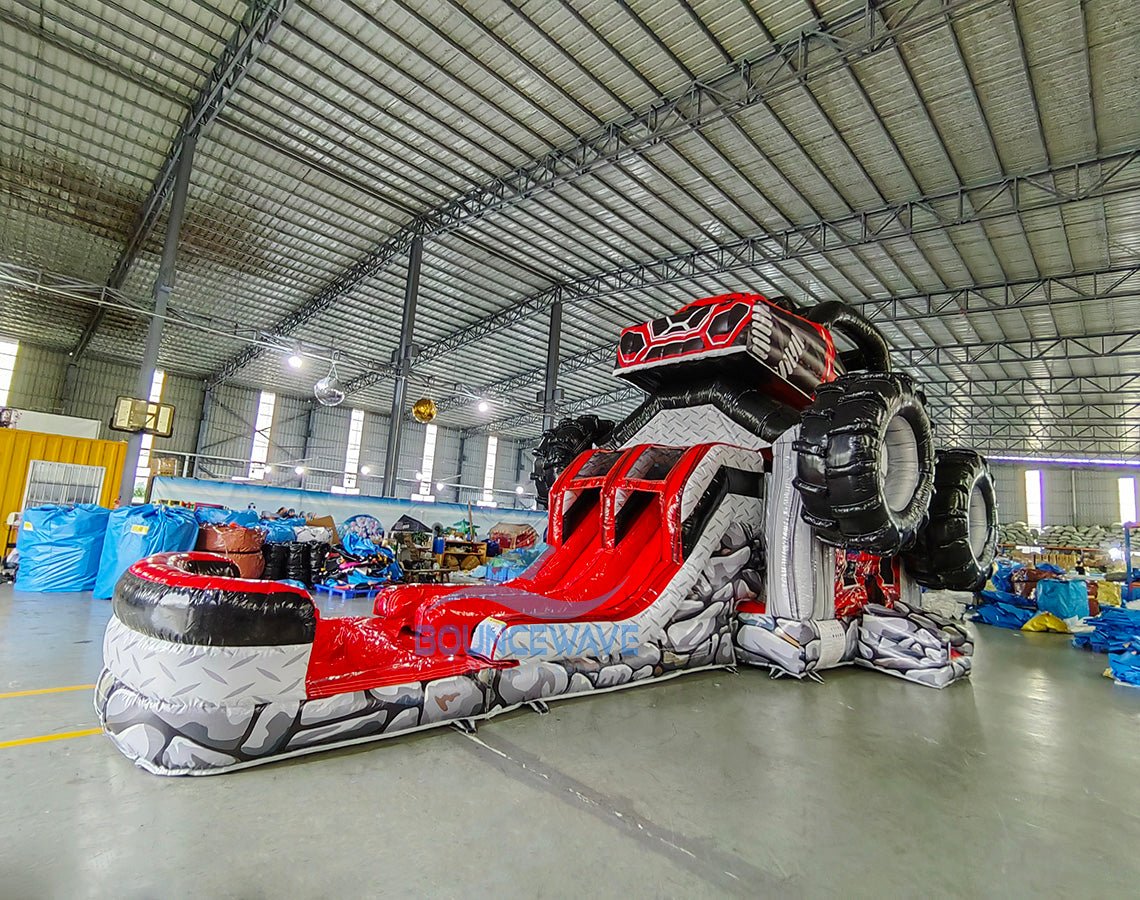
{"x":786,"y":303}
{"x":873,"y":353}
{"x":956,"y":546}
{"x":856,"y":430}
{"x":558,"y":447}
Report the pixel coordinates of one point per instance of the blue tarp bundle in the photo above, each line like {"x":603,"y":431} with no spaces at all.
{"x":60,"y":547}
{"x":1115,"y":628}
{"x":359,"y":545}
{"x":208,"y":515}
{"x":279,"y":531}
{"x":1125,"y":665}
{"x":1064,"y":599}
{"x":1008,"y":598}
{"x":1003,"y":615}
{"x":137,"y":531}
{"x":1002,"y":577}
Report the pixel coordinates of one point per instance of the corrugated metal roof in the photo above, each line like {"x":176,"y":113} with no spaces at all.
{"x":357,"y":119}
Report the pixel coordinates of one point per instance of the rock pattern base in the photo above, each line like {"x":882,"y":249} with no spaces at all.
{"x":171,"y":736}
{"x":795,"y":647}
{"x":919,"y":646}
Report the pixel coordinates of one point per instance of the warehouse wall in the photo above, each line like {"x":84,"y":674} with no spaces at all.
{"x":40,"y":379}
{"x":1094,"y":502}
{"x":37,"y":382}
{"x":228,"y":432}
{"x":40,"y":383}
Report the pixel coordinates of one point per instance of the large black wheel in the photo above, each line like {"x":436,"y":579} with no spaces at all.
{"x":560,"y":445}
{"x":865,"y":462}
{"x":956,"y":546}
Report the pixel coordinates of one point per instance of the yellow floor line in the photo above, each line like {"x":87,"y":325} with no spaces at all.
{"x":58,"y":690}
{"x":44,"y":738}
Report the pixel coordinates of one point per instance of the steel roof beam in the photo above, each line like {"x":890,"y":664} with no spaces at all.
{"x":255,"y":30}
{"x":1059,"y":438}
{"x":702,"y":103}
{"x":948,"y":401}
{"x":950,"y":413}
{"x":1117,"y":173}
{"x":113,"y":67}
{"x":1116,"y":344}
{"x":1115,"y":283}
{"x":1033,"y":388}
{"x":586,"y":404}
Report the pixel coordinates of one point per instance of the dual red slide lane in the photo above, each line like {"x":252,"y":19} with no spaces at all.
{"x":618,"y":554}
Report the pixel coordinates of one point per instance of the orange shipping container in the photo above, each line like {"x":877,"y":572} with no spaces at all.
{"x":19,"y":448}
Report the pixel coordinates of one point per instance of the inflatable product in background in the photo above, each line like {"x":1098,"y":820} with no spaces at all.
{"x":361,"y":535}
{"x":237,"y":543}
{"x":134,"y":532}
{"x":60,"y":547}
{"x":561,"y":445}
{"x":1065,"y":599}
{"x":709,"y":527}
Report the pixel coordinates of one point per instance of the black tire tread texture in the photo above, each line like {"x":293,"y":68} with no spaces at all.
{"x":838,"y":462}
{"x":942,"y":558}
{"x":560,"y":445}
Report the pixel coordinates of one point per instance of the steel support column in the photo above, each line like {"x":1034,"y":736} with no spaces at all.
{"x":402,"y":360}
{"x":203,"y":431}
{"x":163,"y":285}
{"x":550,"y":394}
{"x":310,"y":433}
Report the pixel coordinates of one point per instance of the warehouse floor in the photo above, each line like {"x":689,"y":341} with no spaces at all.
{"x":1021,"y":783}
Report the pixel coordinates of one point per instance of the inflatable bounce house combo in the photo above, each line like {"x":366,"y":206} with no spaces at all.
{"x":775,"y":501}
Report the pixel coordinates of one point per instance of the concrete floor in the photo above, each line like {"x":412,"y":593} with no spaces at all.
{"x":1025,"y":782}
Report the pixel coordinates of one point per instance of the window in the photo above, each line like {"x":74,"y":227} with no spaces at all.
{"x":142,"y":473}
{"x":1126,"y":488}
{"x":62,"y":483}
{"x":8,"y":351}
{"x":488,"y":498}
{"x":427,"y":465}
{"x":262,"y":429}
{"x":352,"y":454}
{"x":1034,"y":503}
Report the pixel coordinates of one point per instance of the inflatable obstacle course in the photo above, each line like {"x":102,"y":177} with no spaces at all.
{"x":758,"y":507}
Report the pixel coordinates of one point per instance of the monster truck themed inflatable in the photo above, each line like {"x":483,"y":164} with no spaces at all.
{"x":776,"y":500}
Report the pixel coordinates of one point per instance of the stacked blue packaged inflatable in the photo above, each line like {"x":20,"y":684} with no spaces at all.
{"x":137,"y":531}
{"x":279,"y":531}
{"x":60,"y":547}
{"x":1064,"y":599}
{"x":209,"y":515}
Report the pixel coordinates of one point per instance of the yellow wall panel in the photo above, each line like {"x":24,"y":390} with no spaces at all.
{"x":19,"y":448}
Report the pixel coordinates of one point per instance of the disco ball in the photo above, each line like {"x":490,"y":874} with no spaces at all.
{"x":424,"y":410}
{"x":329,"y":391}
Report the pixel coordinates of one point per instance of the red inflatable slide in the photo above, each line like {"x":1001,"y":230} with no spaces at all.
{"x":649,"y":546}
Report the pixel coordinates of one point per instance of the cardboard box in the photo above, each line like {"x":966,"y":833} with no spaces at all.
{"x":325,"y":522}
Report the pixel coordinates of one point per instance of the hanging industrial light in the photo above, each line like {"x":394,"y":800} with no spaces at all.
{"x":329,"y":391}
